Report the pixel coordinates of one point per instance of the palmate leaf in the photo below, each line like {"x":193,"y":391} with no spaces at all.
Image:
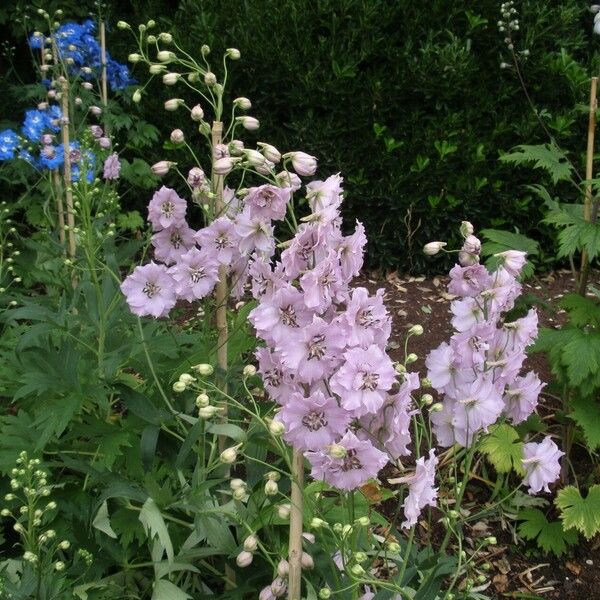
{"x":582,"y":311}
{"x":543,"y":156}
{"x":580,"y":513}
{"x":550,"y":536}
{"x":586,"y":413}
{"x":503,"y":449}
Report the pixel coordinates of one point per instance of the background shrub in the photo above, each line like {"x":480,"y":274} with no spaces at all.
{"x":406,"y":99}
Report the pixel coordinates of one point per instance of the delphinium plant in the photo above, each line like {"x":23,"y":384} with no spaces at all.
{"x":333,"y":394}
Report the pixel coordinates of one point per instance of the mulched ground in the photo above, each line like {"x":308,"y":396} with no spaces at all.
{"x":518,"y":570}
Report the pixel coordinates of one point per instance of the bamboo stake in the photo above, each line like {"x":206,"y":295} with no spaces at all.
{"x":67,"y":165}
{"x":296,"y":520}
{"x":589,"y":173}
{"x":221,"y":287}
{"x":104,"y":84}
{"x":55,"y":178}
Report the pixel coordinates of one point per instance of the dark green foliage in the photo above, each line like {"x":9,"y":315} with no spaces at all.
{"x":406,"y":99}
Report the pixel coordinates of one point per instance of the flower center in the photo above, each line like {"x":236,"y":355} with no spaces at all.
{"x":314,"y":420}
{"x":369,"y":381}
{"x":167,"y":209}
{"x":351,"y":461}
{"x":273,"y":378}
{"x":288,"y":316}
{"x":366,"y":318}
{"x":196,"y":274}
{"x":151,"y":289}
{"x":221,"y":242}
{"x":176,"y":240}
{"x":316,"y":347}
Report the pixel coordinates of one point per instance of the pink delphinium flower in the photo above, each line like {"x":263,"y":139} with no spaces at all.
{"x":361,"y":462}
{"x":255,"y":233}
{"x":467,"y":313}
{"x":172,"y":242}
{"x":469,"y":281}
{"x":350,"y":252}
{"x":219,"y":237}
{"x":112,"y":167}
{"x":195,"y":274}
{"x":166,"y":208}
{"x":283,"y":315}
{"x":275,"y":376}
{"x":150,"y":290}
{"x":421,"y":490}
{"x":321,"y":194}
{"x":542,"y":464}
{"x":363,"y":379}
{"x":313,"y":422}
{"x":366,"y":320}
{"x":305,"y":249}
{"x":521,"y":397}
{"x":268,"y":202}
{"x":265,"y":281}
{"x":313,"y":351}
{"x":196,"y":177}
{"x":513,"y":261}
{"x":322,"y":284}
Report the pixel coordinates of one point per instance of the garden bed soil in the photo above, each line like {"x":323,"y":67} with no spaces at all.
{"x":518,"y":570}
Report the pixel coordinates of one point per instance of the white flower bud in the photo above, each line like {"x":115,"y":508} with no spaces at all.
{"x":210,"y":78}
{"x":283,"y":511}
{"x":244,"y":559}
{"x":249,"y":123}
{"x":242,"y":103}
{"x":64,"y":545}
{"x":466,"y":229}
{"x":179,"y":387}
{"x":162,"y":167}
{"x":151,"y":39}
{"x":270,"y":152}
{"x":134,"y":57}
{"x":167,"y":38}
{"x":324,"y":594}
{"x":278,"y":587}
{"x":123,"y":25}
{"x":223,"y":166}
{"x":271,"y":488}
{"x":204,"y":369}
{"x":171,"y":78}
{"x":411,"y":358}
{"x":229,"y":455}
{"x":363,"y":521}
{"x":307,"y":561}
{"x":255,"y":158}
{"x":432,"y":248}
{"x":273,"y":475}
{"x":29,"y":556}
{"x":233,"y":53}
{"x":202,"y":400}
{"x":437,"y":407}
{"x":283,"y":568}
{"x":276,"y":428}
{"x":207,"y":412}
{"x":317,"y":523}
{"x":186,"y":378}
{"x":205,"y":50}
{"x":337,"y":451}
{"x":249,"y":371}
{"x":416,"y":330}
{"x":197,"y":113}
{"x":59,"y":565}
{"x":251,"y":543}
{"x":156,"y":69}
{"x":165,"y":56}
{"x":137,"y":96}
{"x":357,"y":570}
{"x":5,"y":512}
{"x":237,"y":484}
{"x":173,"y":104}
{"x":427,"y":399}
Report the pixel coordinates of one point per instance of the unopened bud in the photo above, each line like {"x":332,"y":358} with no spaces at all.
{"x":251,"y":543}
{"x":197,"y":113}
{"x":307,"y":561}
{"x":357,"y":570}
{"x":179,"y":387}
{"x":202,"y":400}
{"x":210,"y":78}
{"x":171,"y":78}
{"x":283,"y":511}
{"x":167,"y":38}
{"x":324,"y":594}
{"x":433,"y":248}
{"x":204,"y":369}
{"x":416,"y":330}
{"x":177,"y":136}
{"x":242,"y":103}
{"x":156,"y":69}
{"x":411,"y":358}
{"x":123,"y":25}
{"x":137,"y":96}
{"x":244,"y":559}
{"x":437,"y":407}
{"x":187,"y":378}
{"x":134,"y":57}
{"x":273,"y":476}
{"x":233,"y":53}
{"x":165,"y":56}
{"x":162,"y":167}
{"x":427,"y":399}
{"x":317,"y":523}
{"x":337,"y":451}
{"x":173,"y":104}
{"x":276,"y":428}
{"x":207,"y":412}
{"x":249,"y":123}
{"x":271,"y":488}
{"x":363,"y":521}
{"x":229,"y":455}
{"x":249,"y":371}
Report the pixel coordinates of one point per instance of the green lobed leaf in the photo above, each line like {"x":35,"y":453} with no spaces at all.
{"x":549,"y":157}
{"x":503,"y":449}
{"x":550,"y":536}
{"x":155,"y":526}
{"x":580,"y":513}
{"x":586,"y":413}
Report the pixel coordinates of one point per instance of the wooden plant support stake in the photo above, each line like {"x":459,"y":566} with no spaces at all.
{"x":296,"y":520}
{"x":589,"y":173}
{"x":221,"y":311}
{"x":221,"y":287}
{"x":60,"y":212}
{"x":104,"y":84}
{"x":67,"y":166}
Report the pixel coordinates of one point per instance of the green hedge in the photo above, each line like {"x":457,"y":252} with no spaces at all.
{"x":405,"y":98}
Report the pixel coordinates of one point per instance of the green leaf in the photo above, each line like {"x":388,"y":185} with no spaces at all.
{"x":582,"y":311}
{"x":580,"y":513}
{"x":550,"y":536}
{"x":231,"y":431}
{"x":102,"y":521}
{"x":586,"y":413}
{"x":165,"y":590}
{"x":504,"y":449}
{"x":549,"y":157}
{"x":154,"y":525}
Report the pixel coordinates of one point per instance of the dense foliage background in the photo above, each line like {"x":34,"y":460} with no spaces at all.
{"x":406,"y":99}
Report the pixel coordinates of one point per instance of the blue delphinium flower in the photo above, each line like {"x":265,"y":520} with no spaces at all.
{"x":9,"y":142}
{"x":52,"y":157}
{"x":34,"y":124}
